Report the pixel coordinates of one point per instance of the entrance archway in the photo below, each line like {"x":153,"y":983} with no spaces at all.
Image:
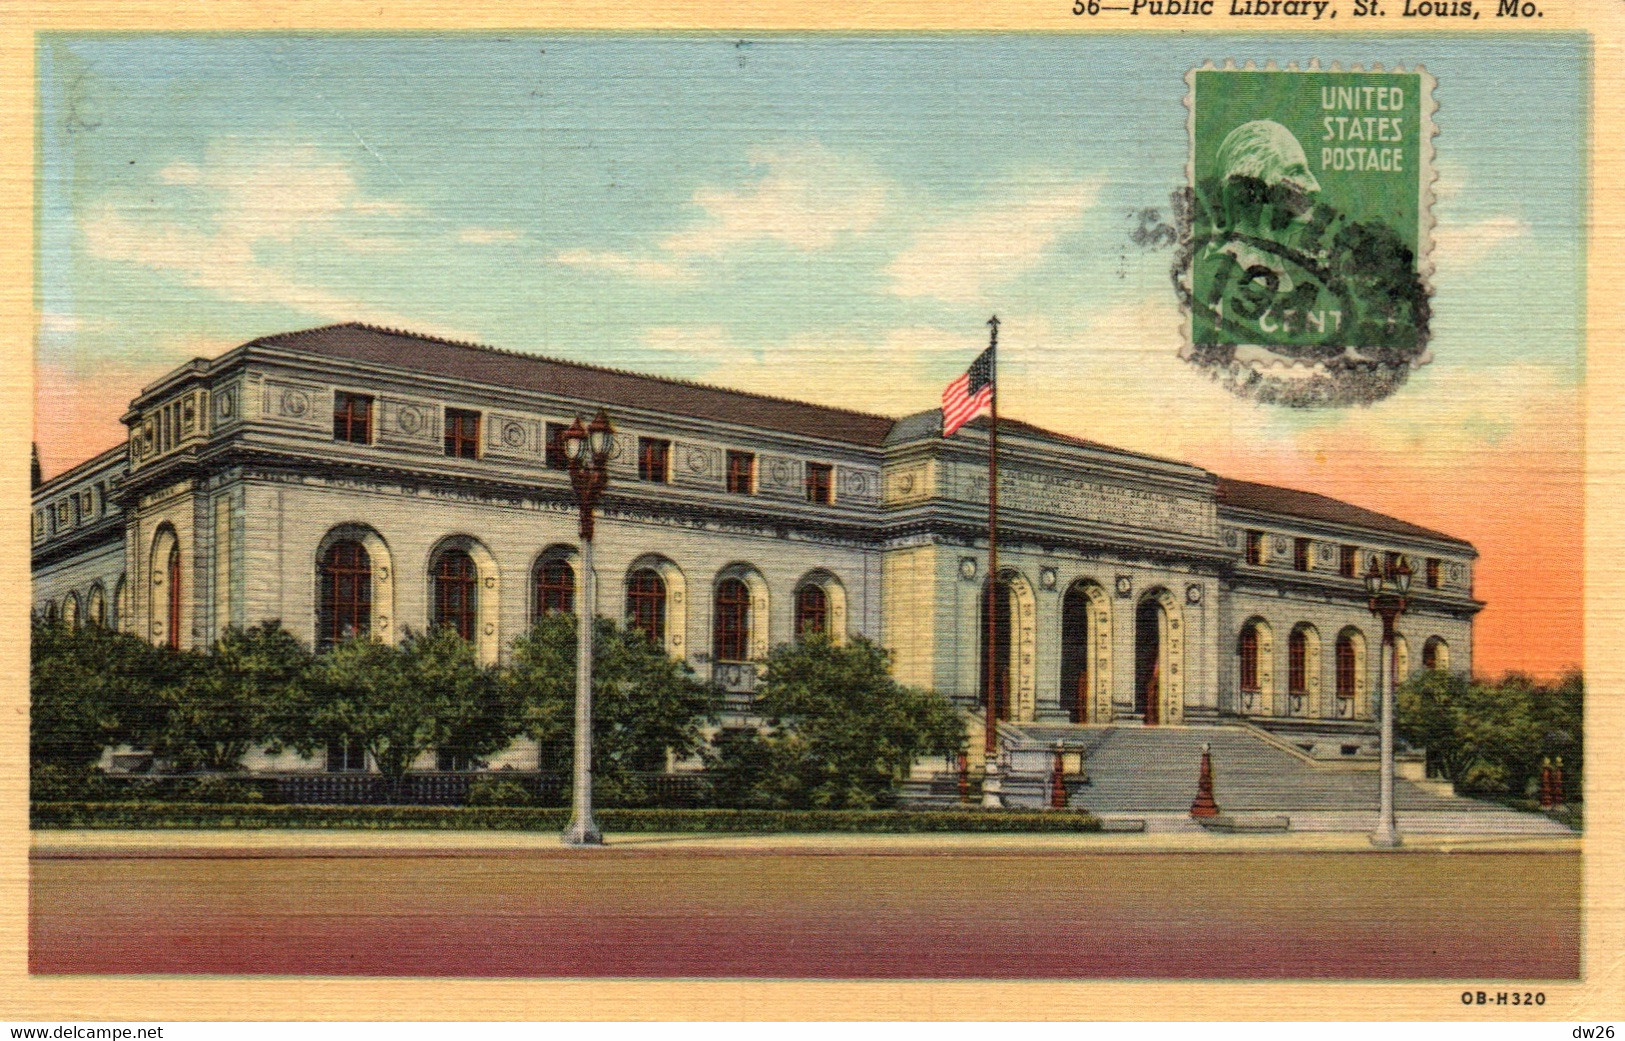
{"x":1159,"y":658}
{"x":1013,"y":647}
{"x":1086,"y":664}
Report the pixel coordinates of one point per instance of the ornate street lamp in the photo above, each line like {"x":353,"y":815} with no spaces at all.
{"x":1387,"y":589}
{"x":586,"y":448}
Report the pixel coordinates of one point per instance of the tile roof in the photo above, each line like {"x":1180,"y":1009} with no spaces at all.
{"x":1267,"y":498}
{"x":372,"y":345}
{"x":491,"y":366}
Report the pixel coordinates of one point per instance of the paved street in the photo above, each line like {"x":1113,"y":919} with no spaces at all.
{"x":810,"y":906}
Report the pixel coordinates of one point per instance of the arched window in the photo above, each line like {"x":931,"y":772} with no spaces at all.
{"x":346,"y":591}
{"x":1249,"y":658}
{"x":96,"y":607}
{"x":646,"y":604}
{"x":70,"y":610}
{"x":174,"y":582}
{"x":1345,"y":666}
{"x":456,"y":593}
{"x":1435,"y":654}
{"x":732,"y":620}
{"x":1297,"y":662}
{"x":812,"y":611}
{"x":555,"y":587}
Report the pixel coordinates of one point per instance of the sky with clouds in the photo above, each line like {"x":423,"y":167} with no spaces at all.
{"x":828,"y":217}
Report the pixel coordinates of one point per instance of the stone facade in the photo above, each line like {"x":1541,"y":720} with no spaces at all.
{"x":1132,"y":582}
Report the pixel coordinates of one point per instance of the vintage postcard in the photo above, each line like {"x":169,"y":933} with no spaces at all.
{"x":767,"y":508}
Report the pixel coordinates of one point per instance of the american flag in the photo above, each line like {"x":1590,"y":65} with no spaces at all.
{"x":968,"y":395}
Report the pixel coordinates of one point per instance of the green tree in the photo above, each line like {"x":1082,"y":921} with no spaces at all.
{"x":399,"y":702}
{"x":93,"y":688}
{"x":645,"y":703}
{"x":241,"y":694}
{"x":1561,"y":713}
{"x":841,"y":732}
{"x":1491,"y":737}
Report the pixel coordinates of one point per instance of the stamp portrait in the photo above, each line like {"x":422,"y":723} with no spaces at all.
{"x":1307,"y":276}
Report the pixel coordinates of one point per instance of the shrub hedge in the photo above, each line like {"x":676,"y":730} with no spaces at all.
{"x":145,"y":815}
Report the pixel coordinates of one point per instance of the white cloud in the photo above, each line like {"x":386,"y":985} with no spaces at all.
{"x":1463,"y":245}
{"x":808,"y":198}
{"x":372,"y":244}
{"x":256,"y":197}
{"x":180,"y":173}
{"x":384,"y":208}
{"x":622,"y":264}
{"x":279,"y":194}
{"x":475,"y":236}
{"x":225,"y":264}
{"x":961,"y":258}
{"x":59,"y":323}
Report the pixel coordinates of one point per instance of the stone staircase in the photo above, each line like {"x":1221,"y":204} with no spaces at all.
{"x":1150,"y":773}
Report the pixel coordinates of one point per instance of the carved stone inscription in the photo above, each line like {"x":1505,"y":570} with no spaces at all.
{"x":1061,"y":495}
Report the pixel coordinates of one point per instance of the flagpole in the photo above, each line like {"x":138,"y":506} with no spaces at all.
{"x":990,"y":786}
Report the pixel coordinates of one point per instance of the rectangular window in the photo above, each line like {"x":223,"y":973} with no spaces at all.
{"x":1433,"y":572}
{"x":1255,"y":548}
{"x":449,"y":762}
{"x":352,"y":418}
{"x":1301,"y":559}
{"x":556,"y":459}
{"x":1348,"y":561}
{"x":345,"y":755}
{"x":741,"y":473}
{"x":654,"y":457}
{"x":820,"y":483}
{"x":462,"y":433}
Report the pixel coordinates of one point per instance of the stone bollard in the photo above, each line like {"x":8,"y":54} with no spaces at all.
{"x":1204,"y":806}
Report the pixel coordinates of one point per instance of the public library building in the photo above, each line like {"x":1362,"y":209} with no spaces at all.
{"x":352,"y":479}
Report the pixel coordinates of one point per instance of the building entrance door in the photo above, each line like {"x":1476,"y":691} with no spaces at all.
{"x":1148,"y":660}
{"x":1075,"y":654}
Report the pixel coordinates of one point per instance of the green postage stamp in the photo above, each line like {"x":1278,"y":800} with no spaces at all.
{"x":1304,"y":273}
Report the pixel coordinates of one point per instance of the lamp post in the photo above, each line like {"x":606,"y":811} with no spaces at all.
{"x":1387,"y":589}
{"x":586,"y":448}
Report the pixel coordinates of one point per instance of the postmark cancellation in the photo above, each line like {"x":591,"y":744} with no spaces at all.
{"x":1305,"y":261}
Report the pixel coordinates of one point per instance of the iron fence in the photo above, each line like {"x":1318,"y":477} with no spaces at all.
{"x":422,"y":788}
